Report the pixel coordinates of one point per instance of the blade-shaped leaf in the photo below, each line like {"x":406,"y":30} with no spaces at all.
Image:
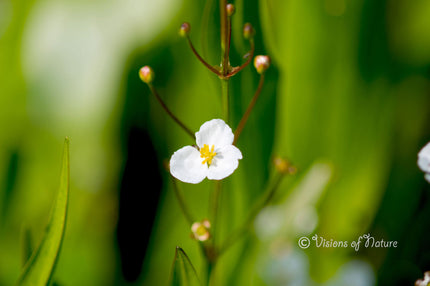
{"x":183,"y":271}
{"x":27,"y":246}
{"x":41,"y":265}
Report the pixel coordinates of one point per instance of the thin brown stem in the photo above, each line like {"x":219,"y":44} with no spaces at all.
{"x":211,"y":68}
{"x":250,"y":55}
{"x":243,"y":230}
{"x":228,"y":43}
{"x":181,"y":201}
{"x":224,"y":36}
{"x":179,"y":122}
{"x":248,"y":110}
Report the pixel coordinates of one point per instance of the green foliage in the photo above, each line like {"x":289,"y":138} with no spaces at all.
{"x":40,"y":267}
{"x":183,"y":271}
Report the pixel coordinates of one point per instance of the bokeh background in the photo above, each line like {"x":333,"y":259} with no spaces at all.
{"x":347,"y":100}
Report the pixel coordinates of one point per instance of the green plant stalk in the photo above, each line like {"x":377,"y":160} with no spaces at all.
{"x":264,"y":201}
{"x":225,"y":99}
{"x":185,"y":210}
{"x":225,"y":47}
{"x":215,"y":199}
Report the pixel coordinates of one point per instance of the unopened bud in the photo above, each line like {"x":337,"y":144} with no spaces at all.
{"x":146,"y":74}
{"x":230,"y":10}
{"x":185,"y":29}
{"x":261,"y":63}
{"x":283,"y":166}
{"x":248,"y":31}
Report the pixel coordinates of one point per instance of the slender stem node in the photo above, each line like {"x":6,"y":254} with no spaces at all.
{"x":249,"y":55}
{"x":248,"y":110}
{"x":179,"y":122}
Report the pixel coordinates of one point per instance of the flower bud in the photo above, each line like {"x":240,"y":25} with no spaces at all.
{"x":283,"y":166}
{"x":261,"y":63}
{"x":230,"y":9}
{"x":248,"y":31}
{"x":146,"y":74}
{"x":200,"y":230}
{"x":185,"y":29}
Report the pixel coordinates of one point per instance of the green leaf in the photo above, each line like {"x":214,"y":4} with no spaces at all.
{"x":27,"y":246}
{"x":40,"y":267}
{"x":183,"y":271}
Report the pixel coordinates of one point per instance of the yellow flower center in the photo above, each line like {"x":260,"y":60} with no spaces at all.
{"x":201,"y":230}
{"x":207,"y":154}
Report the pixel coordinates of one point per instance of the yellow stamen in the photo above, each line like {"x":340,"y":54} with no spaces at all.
{"x":207,"y":154}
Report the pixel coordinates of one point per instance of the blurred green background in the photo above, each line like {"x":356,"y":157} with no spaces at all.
{"x":346,"y":100}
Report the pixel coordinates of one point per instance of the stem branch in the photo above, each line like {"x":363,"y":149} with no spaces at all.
{"x":248,"y":110}
{"x":250,"y":55}
{"x":211,"y":68}
{"x":179,"y":122}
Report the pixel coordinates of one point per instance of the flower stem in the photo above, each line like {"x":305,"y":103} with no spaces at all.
{"x":179,"y":122}
{"x":224,"y":37}
{"x":225,"y":99}
{"x":209,"y":268}
{"x":248,"y":110}
{"x":227,"y":47}
{"x":264,"y":201}
{"x":214,"y":208}
{"x":181,"y":201}
{"x":211,"y":68}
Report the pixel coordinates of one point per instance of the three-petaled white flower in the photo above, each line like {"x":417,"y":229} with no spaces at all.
{"x":215,"y":156}
{"x":424,"y":161}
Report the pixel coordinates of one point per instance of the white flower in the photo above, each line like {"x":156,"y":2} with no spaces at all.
{"x":200,"y":230}
{"x":215,"y":157}
{"x":424,"y":161}
{"x":425,"y":281}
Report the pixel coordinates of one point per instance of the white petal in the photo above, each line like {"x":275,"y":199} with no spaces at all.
{"x":224,"y":163}
{"x":424,"y":158}
{"x":214,"y":132}
{"x":186,"y":165}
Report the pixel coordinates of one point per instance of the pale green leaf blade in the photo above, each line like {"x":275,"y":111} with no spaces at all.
{"x":27,"y":246}
{"x":183,"y":271}
{"x":40,"y":267}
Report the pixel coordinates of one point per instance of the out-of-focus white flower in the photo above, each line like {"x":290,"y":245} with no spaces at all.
{"x":425,"y":281}
{"x":424,"y":161}
{"x":200,"y":230}
{"x":214,"y":157}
